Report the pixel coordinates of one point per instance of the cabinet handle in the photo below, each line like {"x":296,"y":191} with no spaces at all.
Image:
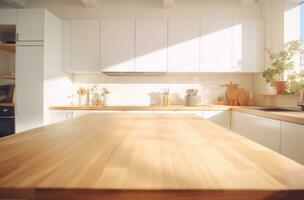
{"x":17,"y":36}
{"x":9,"y":117}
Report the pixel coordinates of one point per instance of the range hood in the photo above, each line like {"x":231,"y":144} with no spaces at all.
{"x":135,"y":73}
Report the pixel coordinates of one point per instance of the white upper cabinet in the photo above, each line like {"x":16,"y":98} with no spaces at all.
{"x":183,"y":50}
{"x":85,"y":45}
{"x":248,"y":46}
{"x":160,"y":45}
{"x":66,"y":45}
{"x":216,"y":45}
{"x":117,"y":45}
{"x":151,"y":45}
{"x":30,"y":25}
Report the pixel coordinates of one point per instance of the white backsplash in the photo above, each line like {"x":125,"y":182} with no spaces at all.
{"x":147,"y":90}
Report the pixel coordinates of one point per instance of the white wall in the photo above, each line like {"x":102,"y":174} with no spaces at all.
{"x":145,"y":90}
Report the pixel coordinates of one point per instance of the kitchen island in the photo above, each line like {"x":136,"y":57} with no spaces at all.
{"x":143,"y":157}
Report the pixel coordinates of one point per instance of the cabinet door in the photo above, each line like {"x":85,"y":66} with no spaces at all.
{"x":292,"y":141}
{"x":196,"y":113}
{"x":30,"y":25}
{"x":117,"y":45}
{"x":151,"y":45}
{"x":66,"y":45}
{"x":183,"y":50}
{"x":266,"y":132}
{"x":221,"y":118}
{"x":29,"y":73}
{"x":248,"y":46}
{"x":29,"y":87}
{"x":85,"y":45}
{"x":55,"y":116}
{"x":216,"y":45}
{"x":240,"y":123}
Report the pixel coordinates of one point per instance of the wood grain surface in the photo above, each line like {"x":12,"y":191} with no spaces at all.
{"x":143,"y":108}
{"x":293,"y":117}
{"x":296,"y":117}
{"x":143,"y":156}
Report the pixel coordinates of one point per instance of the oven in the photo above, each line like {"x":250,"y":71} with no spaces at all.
{"x":7,"y":120}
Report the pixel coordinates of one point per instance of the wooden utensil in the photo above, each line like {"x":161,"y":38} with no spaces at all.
{"x":243,"y":97}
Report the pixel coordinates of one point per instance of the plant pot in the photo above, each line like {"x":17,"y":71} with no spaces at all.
{"x":220,"y":102}
{"x":280,"y":86}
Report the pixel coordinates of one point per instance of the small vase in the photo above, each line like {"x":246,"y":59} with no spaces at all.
{"x":280,"y":86}
{"x":104,"y":100}
{"x":82,"y":100}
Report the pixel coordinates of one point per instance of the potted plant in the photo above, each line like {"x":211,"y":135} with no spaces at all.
{"x":221,"y":100}
{"x":99,"y":95}
{"x":281,"y":62}
{"x":296,"y":82}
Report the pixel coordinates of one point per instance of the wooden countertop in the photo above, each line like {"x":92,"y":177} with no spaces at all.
{"x":293,"y":117}
{"x":7,"y":104}
{"x":143,"y":108}
{"x":143,"y":157}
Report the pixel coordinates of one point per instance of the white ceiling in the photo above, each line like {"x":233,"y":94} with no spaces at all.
{"x":165,"y":3}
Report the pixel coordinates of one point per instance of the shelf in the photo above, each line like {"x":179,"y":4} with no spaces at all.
{"x":279,"y":95}
{"x":8,"y":47}
{"x":7,"y":104}
{"x":8,"y":77}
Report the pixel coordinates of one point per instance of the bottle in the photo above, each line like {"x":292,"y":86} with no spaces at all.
{"x":88,"y":97}
{"x":166,"y":97}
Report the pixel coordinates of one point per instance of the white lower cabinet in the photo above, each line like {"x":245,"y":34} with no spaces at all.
{"x":59,"y":115}
{"x":28,"y":121}
{"x":266,"y":131}
{"x":221,"y":118}
{"x":292,"y":137}
{"x":240,"y":123}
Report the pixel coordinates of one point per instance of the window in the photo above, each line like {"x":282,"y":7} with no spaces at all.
{"x":294,"y":30}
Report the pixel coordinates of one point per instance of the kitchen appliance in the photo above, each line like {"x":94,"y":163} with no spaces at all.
{"x":192,"y":98}
{"x":7,"y":93}
{"x":7,"y":120}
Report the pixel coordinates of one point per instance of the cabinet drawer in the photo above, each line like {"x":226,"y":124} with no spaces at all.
{"x":266,"y":132}
{"x":292,"y":137}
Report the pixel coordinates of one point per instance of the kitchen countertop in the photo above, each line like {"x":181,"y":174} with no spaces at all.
{"x":143,"y":108}
{"x":149,"y":156}
{"x":7,"y":104}
{"x":288,"y":116}
{"x":293,"y":117}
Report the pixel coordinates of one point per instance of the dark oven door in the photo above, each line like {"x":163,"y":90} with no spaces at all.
{"x":7,"y":126}
{"x":7,"y":120}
